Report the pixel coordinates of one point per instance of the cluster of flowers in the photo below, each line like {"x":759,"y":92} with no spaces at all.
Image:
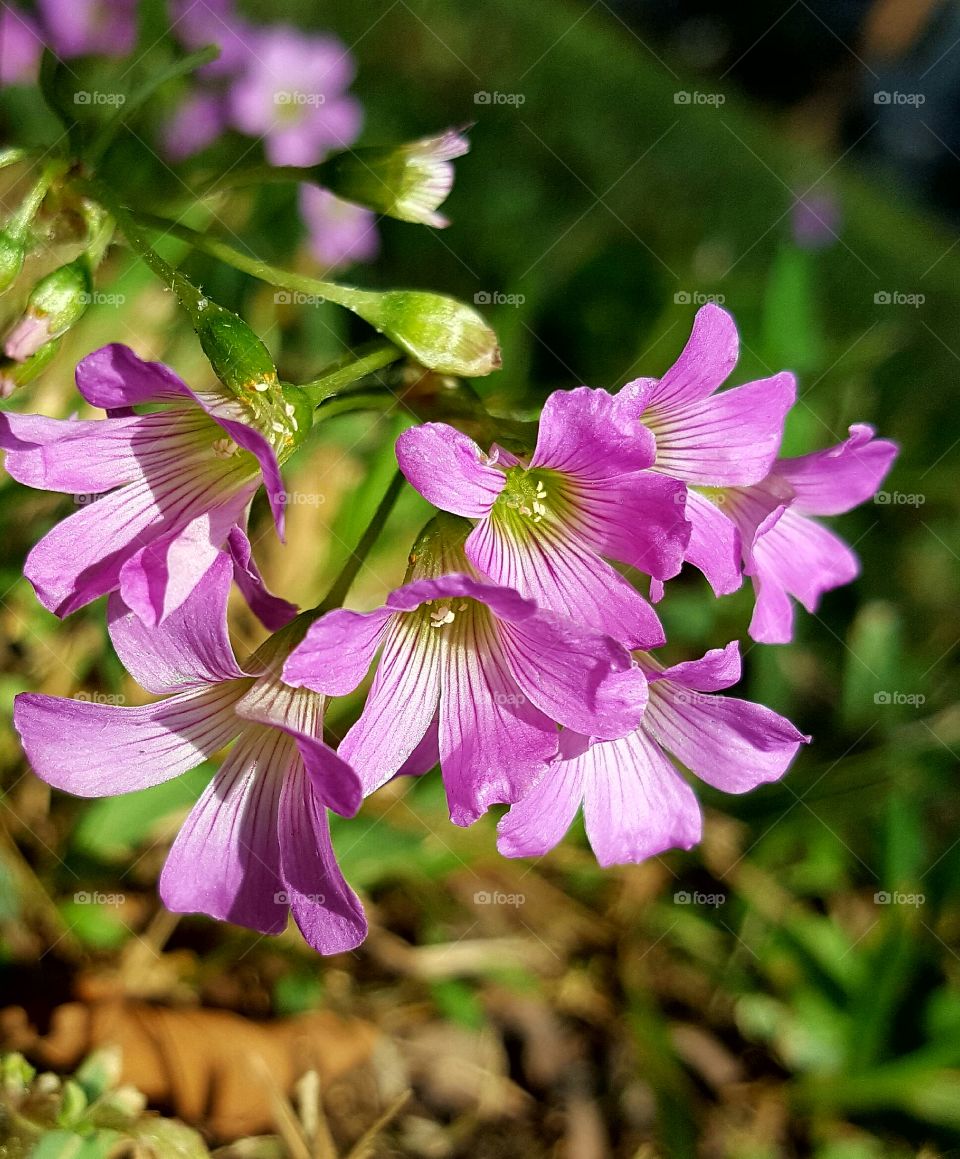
{"x":515,"y":655}
{"x":284,"y":87}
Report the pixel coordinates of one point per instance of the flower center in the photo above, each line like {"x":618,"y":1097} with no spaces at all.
{"x":526,"y":494}
{"x":442,"y":612}
{"x":224,"y":448}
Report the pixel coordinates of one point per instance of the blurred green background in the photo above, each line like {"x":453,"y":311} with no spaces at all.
{"x":813,"y":1007}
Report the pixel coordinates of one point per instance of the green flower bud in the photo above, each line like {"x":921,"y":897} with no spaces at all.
{"x":57,"y":302}
{"x":244,"y":366}
{"x":407,"y":181}
{"x":13,"y":251}
{"x":442,"y":333}
{"x":15,"y":374}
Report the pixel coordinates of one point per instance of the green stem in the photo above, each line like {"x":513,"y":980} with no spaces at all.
{"x":256,"y":175}
{"x":101,"y":142}
{"x":187,"y":294}
{"x":347,"y":296}
{"x":11,"y":155}
{"x":355,"y":401}
{"x":349,"y":369}
{"x":30,"y":205}
{"x":348,"y":573}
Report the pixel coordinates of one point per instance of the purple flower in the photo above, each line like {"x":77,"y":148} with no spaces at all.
{"x":789,"y":554}
{"x":544,"y":525}
{"x":197,"y":23}
{"x":195,"y":124}
{"x":20,"y":47}
{"x":472,"y":674}
{"x":711,"y":440}
{"x":257,"y":843}
{"x":339,"y":232}
{"x":27,"y":336}
{"x":180,"y":482}
{"x":79,"y":27}
{"x":291,"y":93}
{"x":635,"y":803}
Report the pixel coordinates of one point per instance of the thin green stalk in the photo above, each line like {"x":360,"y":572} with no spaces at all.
{"x":351,"y":368}
{"x":29,"y":207}
{"x":348,"y":573}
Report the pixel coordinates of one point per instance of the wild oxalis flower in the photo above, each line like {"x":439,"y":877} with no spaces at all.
{"x":544,"y":524}
{"x":179,"y":480}
{"x":635,"y":803}
{"x":471,"y":673}
{"x":257,"y":843}
{"x":711,"y":440}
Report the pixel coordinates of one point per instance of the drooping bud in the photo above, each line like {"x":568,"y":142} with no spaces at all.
{"x":13,"y":252}
{"x":16,"y":374}
{"x":243,"y":365}
{"x":442,"y":333}
{"x":408,"y":182}
{"x":57,"y":302}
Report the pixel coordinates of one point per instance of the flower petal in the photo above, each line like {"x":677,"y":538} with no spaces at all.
{"x":79,"y":456}
{"x":99,"y":750}
{"x":325,"y":908}
{"x":729,"y":439}
{"x":731,"y":744}
{"x":114,"y":376}
{"x":575,"y":676}
{"x":191,"y":647}
{"x":565,"y":577}
{"x":704,"y":364}
{"x":449,"y":469}
{"x":539,"y":820}
{"x":272,"y":611}
{"x":714,"y":546}
{"x":400,"y":705}
{"x":635,"y":804}
{"x":718,"y":668}
{"x":585,"y":434}
{"x":337,"y":651}
{"x":836,"y":480}
{"x":493,"y":741}
{"x":225,"y":861}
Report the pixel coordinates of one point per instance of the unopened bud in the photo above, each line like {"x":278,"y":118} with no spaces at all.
{"x":408,"y":182}
{"x":15,"y":374}
{"x":57,"y":302}
{"x":13,"y":251}
{"x":442,"y":333}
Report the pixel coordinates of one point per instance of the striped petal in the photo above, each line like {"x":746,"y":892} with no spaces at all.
{"x":842,"y":477}
{"x":449,"y":469}
{"x":225,"y":861}
{"x":539,"y":820}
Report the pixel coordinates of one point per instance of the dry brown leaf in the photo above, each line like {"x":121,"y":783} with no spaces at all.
{"x":207,"y":1065}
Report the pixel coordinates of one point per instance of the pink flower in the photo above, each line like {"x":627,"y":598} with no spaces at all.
{"x":178,"y":483}
{"x":786,"y":553}
{"x":635,"y":803}
{"x":470,"y":673}
{"x":20,"y":46}
{"x":544,"y":524}
{"x":81,"y":27}
{"x":339,"y":233}
{"x":256,"y":846}
{"x":711,"y":440}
